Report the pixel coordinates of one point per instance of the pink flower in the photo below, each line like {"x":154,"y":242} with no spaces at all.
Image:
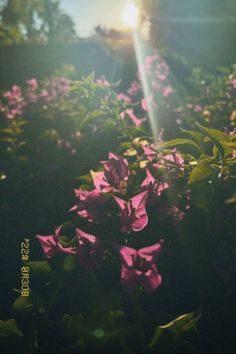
{"x":174,"y":163}
{"x":176,"y":213}
{"x":133,"y":215}
{"x":45,"y":95}
{"x":134,"y":89}
{"x":197,"y":108}
{"x":124,"y":98}
{"x":148,"y":103}
{"x":167,"y":91}
{"x":51,"y":244}
{"x":130,"y":113}
{"x":102,"y":82}
{"x":33,"y":84}
{"x":233,"y":82}
{"x":178,"y":110}
{"x":189,"y":105}
{"x":139,"y":268}
{"x":15,"y":102}
{"x":90,"y":251}
{"x":137,"y":121}
{"x":150,"y":151}
{"x":89,"y":204}
{"x":116,"y":172}
{"x":154,"y":189}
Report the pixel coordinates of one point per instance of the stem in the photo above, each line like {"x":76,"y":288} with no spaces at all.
{"x":138,"y":312}
{"x":54,"y":296}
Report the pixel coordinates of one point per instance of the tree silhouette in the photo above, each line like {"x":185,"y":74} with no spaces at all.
{"x":35,"y":20}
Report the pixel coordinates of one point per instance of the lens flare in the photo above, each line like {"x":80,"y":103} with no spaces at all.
{"x":130,"y":15}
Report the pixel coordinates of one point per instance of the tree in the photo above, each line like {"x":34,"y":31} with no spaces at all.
{"x":37,"y":20}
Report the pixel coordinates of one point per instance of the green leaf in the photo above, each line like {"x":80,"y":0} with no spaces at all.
{"x":175,"y":142}
{"x":69,"y":263}
{"x":184,"y":145}
{"x":172,"y":330}
{"x":201,"y":172}
{"x":39,"y":267}
{"x":197,"y":136}
{"x":23,"y":304}
{"x":73,"y":325}
{"x":9,"y":332}
{"x":221,"y":141}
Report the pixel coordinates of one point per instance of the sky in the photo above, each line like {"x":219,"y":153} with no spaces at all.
{"x":87,"y":14}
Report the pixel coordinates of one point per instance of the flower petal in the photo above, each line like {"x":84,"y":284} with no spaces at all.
{"x":129,"y":278}
{"x":150,"y":253}
{"x":150,"y":280}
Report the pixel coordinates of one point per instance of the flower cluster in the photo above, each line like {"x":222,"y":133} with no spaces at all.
{"x":16,"y":101}
{"x":111,"y":197}
{"x":157,"y":78}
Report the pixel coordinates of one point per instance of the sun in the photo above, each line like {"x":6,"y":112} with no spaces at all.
{"x":130,"y":15}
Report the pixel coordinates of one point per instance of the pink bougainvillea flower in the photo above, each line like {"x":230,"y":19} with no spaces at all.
{"x":137,"y":121}
{"x":130,"y":113}
{"x":139,"y":268}
{"x":197,"y":108}
{"x":102,"y":82}
{"x":90,"y":250}
{"x":33,"y":84}
{"x":100,"y":182}
{"x":44,"y":94}
{"x":51,"y":244}
{"x":89,"y":204}
{"x":174,"y":163}
{"x":153,"y":188}
{"x":189,"y":105}
{"x":14,"y":95}
{"x":116,"y":172}
{"x":134,"y":89}
{"x":176,"y":213}
{"x":167,"y":91}
{"x":124,"y":98}
{"x":15,"y":102}
{"x":133,"y":215}
{"x":178,"y":109}
{"x":150,"y":151}
{"x":233,"y":82}
{"x":116,"y":169}
{"x":148,"y":103}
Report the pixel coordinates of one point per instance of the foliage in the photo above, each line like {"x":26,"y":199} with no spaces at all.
{"x":148,"y":251}
{"x":36,"y":21}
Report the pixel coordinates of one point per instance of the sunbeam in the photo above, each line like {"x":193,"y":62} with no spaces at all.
{"x":141,"y":52}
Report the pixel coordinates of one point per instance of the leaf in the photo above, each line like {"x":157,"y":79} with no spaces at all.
{"x":39,"y":267}
{"x":172,"y":330}
{"x":9,"y":332}
{"x":73,"y":325}
{"x":23,"y":304}
{"x":184,"y":145}
{"x":221,"y":141}
{"x":197,"y":136}
{"x":69,"y":263}
{"x":201,"y":172}
{"x":175,"y":142}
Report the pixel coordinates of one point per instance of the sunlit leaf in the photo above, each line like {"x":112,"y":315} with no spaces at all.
{"x":9,"y":332}
{"x":39,"y":267}
{"x":201,"y":172}
{"x":23,"y":304}
{"x":172,"y":330}
{"x":220,"y":140}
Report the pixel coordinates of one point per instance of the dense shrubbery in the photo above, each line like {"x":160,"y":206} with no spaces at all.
{"x":170,"y":196}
